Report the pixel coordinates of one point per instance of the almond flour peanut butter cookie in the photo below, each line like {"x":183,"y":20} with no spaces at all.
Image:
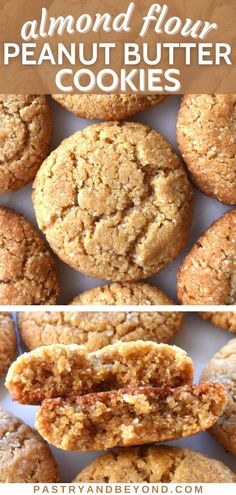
{"x":222,"y":368}
{"x":7,"y":341}
{"x":155,"y":464}
{"x":108,"y":107}
{"x":129,"y":416}
{"x":97,"y":329}
{"x":25,"y":138}
{"x":114,"y":201}
{"x":28,"y":274}
{"x":222,"y":319}
{"x":126,"y":293}
{"x":24,"y":455}
{"x":61,"y":371}
{"x":206,"y":132}
{"x":207,"y":274}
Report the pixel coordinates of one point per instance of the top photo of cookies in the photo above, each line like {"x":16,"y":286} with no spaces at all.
{"x":118,"y":199}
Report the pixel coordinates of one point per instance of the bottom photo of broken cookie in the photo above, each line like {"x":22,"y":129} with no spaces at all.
{"x":75,"y":410}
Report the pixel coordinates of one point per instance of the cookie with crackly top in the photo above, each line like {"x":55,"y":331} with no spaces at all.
{"x":108,"y":107}
{"x":155,"y":464}
{"x":207,"y":274}
{"x":7,"y":341}
{"x":207,"y":140}
{"x":98,"y":329}
{"x":28,"y":274}
{"x":222,"y":368}
{"x":25,"y":138}
{"x":124,"y":205}
{"x":223,"y":319}
{"x":24,"y":456}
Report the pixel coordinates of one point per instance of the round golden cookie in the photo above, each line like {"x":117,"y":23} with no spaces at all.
{"x":222,"y":319}
{"x":126,"y":293}
{"x":207,"y":140}
{"x":28,"y":273}
{"x":222,"y":368}
{"x":114,"y":201}
{"x":7,"y":341}
{"x":25,"y":137}
{"x":207,"y":274}
{"x":97,"y":329}
{"x":24,"y":456}
{"x":155,"y":464}
{"x":108,"y":107}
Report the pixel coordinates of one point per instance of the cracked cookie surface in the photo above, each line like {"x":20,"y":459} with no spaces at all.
{"x":61,"y":371}
{"x":207,"y":274}
{"x":130,"y":416}
{"x":222,"y":319}
{"x":222,"y":368}
{"x":7,"y":341}
{"x":97,"y":329}
{"x":125,"y":202}
{"x":206,"y":132}
{"x":155,"y":464}
{"x":25,"y":137}
{"x":25,"y":457}
{"x":110,"y":107}
{"x":28,"y":273}
{"x":126,"y":293}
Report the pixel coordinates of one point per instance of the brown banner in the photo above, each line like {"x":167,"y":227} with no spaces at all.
{"x":106,"y":46}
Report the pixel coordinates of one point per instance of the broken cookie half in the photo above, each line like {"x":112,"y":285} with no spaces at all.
{"x":131,"y":416}
{"x":124,"y":394}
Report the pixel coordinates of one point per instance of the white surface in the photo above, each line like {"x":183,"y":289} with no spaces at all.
{"x":201,"y":340}
{"x":163,"y":119}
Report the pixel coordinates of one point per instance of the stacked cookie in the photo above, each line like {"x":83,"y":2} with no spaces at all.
{"x":124,"y":394}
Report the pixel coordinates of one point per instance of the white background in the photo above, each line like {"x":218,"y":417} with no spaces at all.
{"x":201,"y":340}
{"x":162,"y":118}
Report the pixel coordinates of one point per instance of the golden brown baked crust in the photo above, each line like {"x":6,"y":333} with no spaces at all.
{"x":25,"y":138}
{"x":222,"y":368}
{"x":25,"y":457}
{"x":60,"y":371}
{"x":7,"y":341}
{"x":97,"y":329}
{"x":222,"y":319}
{"x":129,"y":416}
{"x":28,"y":273}
{"x":125,"y":202}
{"x":126,"y":293}
{"x":155,"y":464}
{"x":206,"y":136}
{"x":207,"y":274}
{"x":110,"y":107}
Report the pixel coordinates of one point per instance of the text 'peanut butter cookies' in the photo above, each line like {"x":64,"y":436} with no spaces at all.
{"x":206,"y":132}
{"x":222,"y":319}
{"x":114,"y":201}
{"x":207,"y":274}
{"x":24,"y":456}
{"x":98,"y":329}
{"x":129,"y":416}
{"x":7,"y":341}
{"x":28,"y":273}
{"x":108,"y":107}
{"x":60,"y":371}
{"x":222,"y":368}
{"x":155,"y":464}
{"x":25,"y":137}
